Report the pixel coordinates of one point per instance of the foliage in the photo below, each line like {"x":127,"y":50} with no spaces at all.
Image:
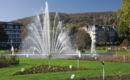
{"x":108,"y":43}
{"x":82,"y":50}
{"x":73,"y":30}
{"x":14,"y":60}
{"x":46,"y":69}
{"x":99,"y":18}
{"x":125,"y":43}
{"x":3,"y":35}
{"x":124,"y":19}
{"x":82,"y":39}
{"x":16,"y":49}
{"x":5,"y":62}
{"x":79,"y":19}
{"x":105,"y":35}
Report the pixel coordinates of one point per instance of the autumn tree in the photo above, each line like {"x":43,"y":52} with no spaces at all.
{"x":82,"y":39}
{"x":125,"y":42}
{"x":124,"y":19}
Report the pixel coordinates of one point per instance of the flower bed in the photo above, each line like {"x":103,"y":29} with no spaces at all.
{"x":45,"y":69}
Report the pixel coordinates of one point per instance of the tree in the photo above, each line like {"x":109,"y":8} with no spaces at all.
{"x":105,"y":35}
{"x":73,"y":30}
{"x":82,"y":24}
{"x":3,"y":35}
{"x":124,"y":19}
{"x":82,"y":39}
{"x":125,"y":43}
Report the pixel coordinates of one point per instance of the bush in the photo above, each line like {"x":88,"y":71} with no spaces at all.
{"x":4,"y":62}
{"x":16,"y":49}
{"x":14,"y":60}
{"x":82,"y":51}
{"x":125,"y":43}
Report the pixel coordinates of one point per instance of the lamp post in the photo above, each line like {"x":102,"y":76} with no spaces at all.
{"x":124,"y":58}
{"x":120,"y":75}
{"x":79,"y":55}
{"x":103,"y":73}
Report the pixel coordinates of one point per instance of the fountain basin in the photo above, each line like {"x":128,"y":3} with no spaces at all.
{"x":59,"y":55}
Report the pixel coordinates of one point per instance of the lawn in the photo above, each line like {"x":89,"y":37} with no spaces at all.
{"x":4,"y":51}
{"x":119,"y":53}
{"x":98,"y":51}
{"x":95,"y":69}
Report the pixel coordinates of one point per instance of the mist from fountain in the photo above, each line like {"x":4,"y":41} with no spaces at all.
{"x":93,"y":38}
{"x":43,"y":39}
{"x":12,"y":50}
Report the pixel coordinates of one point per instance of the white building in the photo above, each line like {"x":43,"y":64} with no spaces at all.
{"x":13,"y":30}
{"x":99,"y":32}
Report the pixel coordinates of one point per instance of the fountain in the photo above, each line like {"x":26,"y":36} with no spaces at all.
{"x":93,"y":38}
{"x":46,"y":40}
{"x":12,"y":50}
{"x":91,"y":30}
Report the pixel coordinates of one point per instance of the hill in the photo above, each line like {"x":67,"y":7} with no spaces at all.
{"x":80,"y":19}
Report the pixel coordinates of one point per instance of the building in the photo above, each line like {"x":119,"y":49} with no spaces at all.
{"x":13,"y":31}
{"x":99,"y":32}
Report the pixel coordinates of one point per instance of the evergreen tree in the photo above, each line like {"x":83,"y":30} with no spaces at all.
{"x":105,"y":35}
{"x":3,"y":35}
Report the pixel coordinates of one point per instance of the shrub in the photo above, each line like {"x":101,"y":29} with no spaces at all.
{"x":16,"y":49}
{"x":14,"y":60}
{"x":4,"y":62}
{"x":125,"y":43}
{"x":82,"y":51}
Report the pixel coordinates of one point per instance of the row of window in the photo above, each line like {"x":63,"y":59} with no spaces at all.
{"x":14,"y":40}
{"x":13,"y":32}
{"x":12,"y":27}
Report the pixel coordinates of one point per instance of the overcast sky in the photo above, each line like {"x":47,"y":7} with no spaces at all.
{"x":16,"y":9}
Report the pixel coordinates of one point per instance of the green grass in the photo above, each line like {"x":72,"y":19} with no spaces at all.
{"x":119,"y":53}
{"x":4,"y":51}
{"x":95,"y":69}
{"x":99,"y":51}
{"x":123,"y":53}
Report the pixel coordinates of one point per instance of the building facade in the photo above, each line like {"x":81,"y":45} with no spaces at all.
{"x":112,"y":32}
{"x":13,"y":31}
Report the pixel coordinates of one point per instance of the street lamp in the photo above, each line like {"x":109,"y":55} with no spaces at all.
{"x":103,"y":70}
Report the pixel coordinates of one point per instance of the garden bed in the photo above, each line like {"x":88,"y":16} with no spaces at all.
{"x":46,"y":68}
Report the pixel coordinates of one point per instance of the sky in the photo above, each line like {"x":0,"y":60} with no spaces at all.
{"x":16,"y":9}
